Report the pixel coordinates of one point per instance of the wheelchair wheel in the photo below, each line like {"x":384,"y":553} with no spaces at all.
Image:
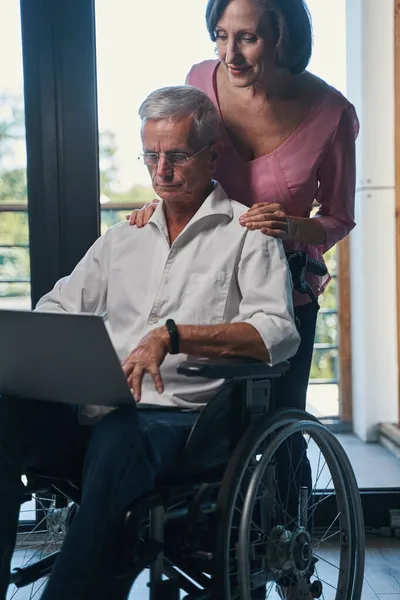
{"x":263,"y":550}
{"x":38,"y":542}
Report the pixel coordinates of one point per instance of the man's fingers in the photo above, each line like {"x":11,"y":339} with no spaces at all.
{"x":126,"y":367}
{"x":136,"y":381}
{"x":154,"y":371}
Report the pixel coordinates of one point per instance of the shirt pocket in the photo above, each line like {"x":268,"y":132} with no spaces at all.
{"x":204,"y":297}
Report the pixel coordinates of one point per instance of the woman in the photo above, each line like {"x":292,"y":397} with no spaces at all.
{"x":289,"y":140}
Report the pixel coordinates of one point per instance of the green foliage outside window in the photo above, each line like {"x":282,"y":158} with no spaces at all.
{"x":12,"y":134}
{"x":324,"y":363}
{"x":14,"y":262}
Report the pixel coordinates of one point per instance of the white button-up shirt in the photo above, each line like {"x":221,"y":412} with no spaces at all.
{"x":216,"y":271}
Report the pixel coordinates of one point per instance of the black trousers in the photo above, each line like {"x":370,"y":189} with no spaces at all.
{"x":294,"y":470}
{"x":291,"y":390}
{"x":118,"y":461}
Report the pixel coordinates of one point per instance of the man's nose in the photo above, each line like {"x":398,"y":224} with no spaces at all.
{"x":164,"y":168}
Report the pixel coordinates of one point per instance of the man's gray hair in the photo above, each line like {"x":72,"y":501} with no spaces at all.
{"x":184,"y":100}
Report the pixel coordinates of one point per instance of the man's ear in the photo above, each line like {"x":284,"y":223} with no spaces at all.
{"x":215,"y":154}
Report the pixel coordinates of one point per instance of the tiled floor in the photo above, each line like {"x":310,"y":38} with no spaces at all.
{"x":382,"y":574}
{"x":374,"y":466}
{"x":382,"y":569}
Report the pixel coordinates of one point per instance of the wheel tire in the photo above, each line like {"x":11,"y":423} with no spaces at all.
{"x":279,"y":426}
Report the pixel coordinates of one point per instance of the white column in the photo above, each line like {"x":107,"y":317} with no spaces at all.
{"x":370,"y":86}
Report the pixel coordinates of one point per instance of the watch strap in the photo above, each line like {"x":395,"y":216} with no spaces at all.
{"x":173,"y":335}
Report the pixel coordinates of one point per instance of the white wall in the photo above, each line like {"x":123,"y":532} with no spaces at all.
{"x":370,"y":86}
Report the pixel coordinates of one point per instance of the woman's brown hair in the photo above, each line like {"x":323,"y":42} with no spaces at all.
{"x":291,"y":24}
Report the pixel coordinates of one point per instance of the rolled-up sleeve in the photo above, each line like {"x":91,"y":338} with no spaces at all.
{"x":85,"y":290}
{"x":337,"y":180}
{"x":266,"y":288}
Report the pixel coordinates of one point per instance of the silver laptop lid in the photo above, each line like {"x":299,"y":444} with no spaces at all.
{"x":60,"y":357}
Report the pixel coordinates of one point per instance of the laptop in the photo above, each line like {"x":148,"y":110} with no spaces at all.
{"x":60,"y":358}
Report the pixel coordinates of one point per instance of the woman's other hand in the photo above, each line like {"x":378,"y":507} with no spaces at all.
{"x":270,"y":218}
{"x":140,"y":216}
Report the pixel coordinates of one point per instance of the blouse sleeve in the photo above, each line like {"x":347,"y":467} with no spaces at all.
{"x":201,"y":76}
{"x":337,"y":180}
{"x":189,"y":77}
{"x":198,"y":75}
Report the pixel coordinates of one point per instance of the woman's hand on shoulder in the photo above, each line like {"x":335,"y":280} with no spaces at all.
{"x":271,"y":219}
{"x":141,"y":216}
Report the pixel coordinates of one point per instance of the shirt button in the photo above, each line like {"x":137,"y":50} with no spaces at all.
{"x":154,"y":320}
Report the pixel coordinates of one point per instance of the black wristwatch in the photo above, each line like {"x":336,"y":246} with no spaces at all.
{"x":173,"y":335}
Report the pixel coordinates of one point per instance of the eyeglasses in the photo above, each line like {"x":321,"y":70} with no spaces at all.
{"x":175,"y":159}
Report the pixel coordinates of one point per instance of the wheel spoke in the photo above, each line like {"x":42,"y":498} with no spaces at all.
{"x":327,"y":561}
{"x":315,"y":506}
{"x":329,"y":528}
{"x":37,"y":590}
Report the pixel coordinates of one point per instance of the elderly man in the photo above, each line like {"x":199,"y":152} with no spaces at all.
{"x":193,"y":282}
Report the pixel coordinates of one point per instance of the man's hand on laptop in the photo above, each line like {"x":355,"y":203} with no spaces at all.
{"x":147,"y":358}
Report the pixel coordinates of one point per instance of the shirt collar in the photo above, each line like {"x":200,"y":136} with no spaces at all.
{"x":217,"y":203}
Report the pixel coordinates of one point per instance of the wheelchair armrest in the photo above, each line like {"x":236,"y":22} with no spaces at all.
{"x":231,"y":368}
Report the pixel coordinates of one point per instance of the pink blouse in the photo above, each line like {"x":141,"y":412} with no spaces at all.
{"x":316,"y":162}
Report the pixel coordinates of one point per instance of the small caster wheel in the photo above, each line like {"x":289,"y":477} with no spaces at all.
{"x":316,"y":589}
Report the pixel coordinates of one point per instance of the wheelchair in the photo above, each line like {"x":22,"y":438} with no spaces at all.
{"x":223,"y":530}
{"x":233,"y":525}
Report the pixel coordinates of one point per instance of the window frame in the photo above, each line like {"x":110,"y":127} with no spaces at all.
{"x":59,"y":60}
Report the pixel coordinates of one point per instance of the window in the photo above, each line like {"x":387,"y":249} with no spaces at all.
{"x":136,"y":55}
{"x":329,"y":63}
{"x":14,"y":236}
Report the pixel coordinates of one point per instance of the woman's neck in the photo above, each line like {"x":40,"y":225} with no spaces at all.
{"x":283,"y":86}
{"x":278,"y":86}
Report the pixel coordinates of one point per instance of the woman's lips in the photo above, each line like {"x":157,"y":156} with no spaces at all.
{"x":238,"y":70}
